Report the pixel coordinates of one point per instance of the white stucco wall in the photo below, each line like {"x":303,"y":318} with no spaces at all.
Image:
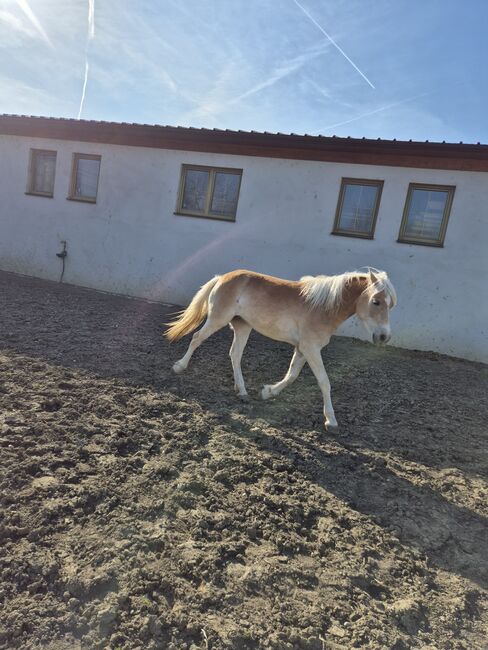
{"x":131,"y":242}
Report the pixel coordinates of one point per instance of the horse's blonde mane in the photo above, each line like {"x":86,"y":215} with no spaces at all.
{"x":326,"y":291}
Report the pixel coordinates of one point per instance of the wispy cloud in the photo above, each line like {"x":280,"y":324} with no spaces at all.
{"x":312,"y":19}
{"x":24,"y":5}
{"x":218,"y":104}
{"x":90,"y":37}
{"x":13,"y":22}
{"x":373,"y":112}
{"x":321,"y":91}
{"x":20,"y":97}
{"x":284,"y":70}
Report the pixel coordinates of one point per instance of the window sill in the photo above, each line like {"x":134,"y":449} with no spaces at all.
{"x":81,"y":199}
{"x":204,"y":216}
{"x":45,"y":195}
{"x":413,"y":242}
{"x":356,"y":235}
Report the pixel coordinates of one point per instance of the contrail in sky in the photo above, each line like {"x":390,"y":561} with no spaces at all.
{"x":91,"y":19}
{"x":333,"y":42}
{"x":90,"y":36}
{"x":377,"y":110}
{"x":286,"y":68}
{"x":24,"y":5}
{"x":83,"y":92}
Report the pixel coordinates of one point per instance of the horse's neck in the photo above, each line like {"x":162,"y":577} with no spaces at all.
{"x":350,"y":296}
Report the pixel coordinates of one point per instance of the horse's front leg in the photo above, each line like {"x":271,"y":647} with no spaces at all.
{"x":314,"y":359}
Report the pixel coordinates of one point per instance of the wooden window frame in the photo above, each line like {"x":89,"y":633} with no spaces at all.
{"x":31,"y":169}
{"x":74,"y":169}
{"x":213,"y":171}
{"x":337,"y":230}
{"x":439,"y":243}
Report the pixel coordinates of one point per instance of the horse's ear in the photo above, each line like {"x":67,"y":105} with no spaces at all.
{"x":372,"y":277}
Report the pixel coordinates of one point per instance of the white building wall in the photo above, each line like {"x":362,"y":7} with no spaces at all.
{"x":131,"y":242}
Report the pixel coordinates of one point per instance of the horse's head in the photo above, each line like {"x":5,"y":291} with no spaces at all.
{"x":374,"y":304}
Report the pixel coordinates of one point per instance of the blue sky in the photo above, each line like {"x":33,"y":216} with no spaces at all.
{"x":381,"y":68}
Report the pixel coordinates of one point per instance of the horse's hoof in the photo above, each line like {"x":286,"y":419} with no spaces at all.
{"x":178,"y":368}
{"x":331,"y":428}
{"x":266,"y":392}
{"x":244,"y":398}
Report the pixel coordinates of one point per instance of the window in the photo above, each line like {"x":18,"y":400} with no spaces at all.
{"x":426,"y":214}
{"x":42,"y":167}
{"x":357,"y":208}
{"x":210,"y":192}
{"x":84,"y":177}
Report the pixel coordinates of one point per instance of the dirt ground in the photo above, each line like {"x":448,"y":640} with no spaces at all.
{"x":145,"y":510}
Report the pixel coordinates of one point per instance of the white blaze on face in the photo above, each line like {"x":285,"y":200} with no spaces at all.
{"x":377,"y":330}
{"x":373,"y":311}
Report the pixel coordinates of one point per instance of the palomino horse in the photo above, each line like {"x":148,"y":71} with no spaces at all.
{"x":304,"y":314}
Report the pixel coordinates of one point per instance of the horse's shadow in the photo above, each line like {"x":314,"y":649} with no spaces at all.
{"x":452,"y":537}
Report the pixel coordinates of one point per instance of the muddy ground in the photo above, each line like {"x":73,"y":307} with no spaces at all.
{"x":145,"y":510}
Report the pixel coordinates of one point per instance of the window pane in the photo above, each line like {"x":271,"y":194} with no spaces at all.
{"x":425,"y":214}
{"x":44,"y":165}
{"x":357,"y":211}
{"x":86,"y":183}
{"x":195,"y":191}
{"x":226,"y":189}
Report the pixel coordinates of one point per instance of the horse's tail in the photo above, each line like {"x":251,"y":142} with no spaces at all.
{"x":191,"y":317}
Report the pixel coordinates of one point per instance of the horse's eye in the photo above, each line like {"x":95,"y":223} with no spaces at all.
{"x":376,"y":303}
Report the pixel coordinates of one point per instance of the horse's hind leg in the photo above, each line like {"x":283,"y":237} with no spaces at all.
{"x":296,"y":365}
{"x":213,"y":323}
{"x":241,"y":334}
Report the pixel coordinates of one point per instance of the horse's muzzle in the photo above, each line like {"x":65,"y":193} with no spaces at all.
{"x":381,"y":339}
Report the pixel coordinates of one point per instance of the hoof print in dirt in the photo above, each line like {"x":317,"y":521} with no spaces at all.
{"x":409,"y":615}
{"x":51,"y":405}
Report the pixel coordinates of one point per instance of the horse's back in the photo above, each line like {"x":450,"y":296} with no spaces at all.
{"x":271,"y":305}
{"x":257,"y":279}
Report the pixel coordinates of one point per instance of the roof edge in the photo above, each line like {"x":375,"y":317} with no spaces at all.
{"x":401,"y":153}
